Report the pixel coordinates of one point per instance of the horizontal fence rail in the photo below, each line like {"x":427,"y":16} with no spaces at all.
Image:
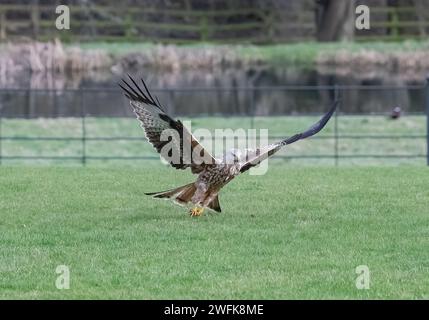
{"x":84,"y":137}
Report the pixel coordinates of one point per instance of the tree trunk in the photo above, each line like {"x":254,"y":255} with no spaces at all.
{"x":335,"y":20}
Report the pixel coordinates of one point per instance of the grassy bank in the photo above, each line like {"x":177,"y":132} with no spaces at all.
{"x":320,"y":146}
{"x":410,"y":56}
{"x":304,"y":54}
{"x":293,"y":233}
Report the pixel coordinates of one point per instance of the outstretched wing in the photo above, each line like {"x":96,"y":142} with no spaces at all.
{"x":154,"y":120}
{"x":255,"y":157}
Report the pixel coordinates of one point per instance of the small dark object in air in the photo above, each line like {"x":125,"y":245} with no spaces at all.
{"x":396,"y":113}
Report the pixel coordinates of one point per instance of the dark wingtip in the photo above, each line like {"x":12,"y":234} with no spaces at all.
{"x":127,"y":93}
{"x":147,"y":90}
{"x":331,"y":111}
{"x":134,"y":92}
{"x":315,"y":128}
{"x":120,"y":85}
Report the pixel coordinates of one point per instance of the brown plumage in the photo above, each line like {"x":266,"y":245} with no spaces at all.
{"x":213,"y":174}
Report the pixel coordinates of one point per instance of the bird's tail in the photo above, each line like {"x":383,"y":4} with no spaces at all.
{"x":215,"y":205}
{"x":181,"y":194}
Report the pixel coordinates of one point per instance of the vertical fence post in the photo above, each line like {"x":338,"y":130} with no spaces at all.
{"x":204,"y":28}
{"x":336,"y":97}
{"x":56,"y":107}
{"x":394,"y":30}
{"x":35,"y":18}
{"x":427,"y":120}
{"x":82,"y":110}
{"x":3,"y":28}
{"x":252,"y":107}
{"x":171,"y":104}
{"x":269,"y":23}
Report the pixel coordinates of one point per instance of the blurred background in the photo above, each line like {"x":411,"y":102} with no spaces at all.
{"x":275,"y":64}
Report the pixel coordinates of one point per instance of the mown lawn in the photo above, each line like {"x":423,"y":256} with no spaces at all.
{"x":295,"y":232}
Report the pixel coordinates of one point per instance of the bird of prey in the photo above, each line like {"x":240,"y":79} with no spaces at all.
{"x":213,"y":173}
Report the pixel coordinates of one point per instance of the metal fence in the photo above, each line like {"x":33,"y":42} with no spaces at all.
{"x":335,"y":91}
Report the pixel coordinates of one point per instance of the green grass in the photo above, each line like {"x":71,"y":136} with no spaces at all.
{"x":278,"y":127}
{"x":303,"y":54}
{"x":292,"y":233}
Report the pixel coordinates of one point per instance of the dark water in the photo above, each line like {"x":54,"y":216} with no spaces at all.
{"x":220,"y":92}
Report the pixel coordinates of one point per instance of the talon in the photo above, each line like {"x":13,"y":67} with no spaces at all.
{"x":196,"y":212}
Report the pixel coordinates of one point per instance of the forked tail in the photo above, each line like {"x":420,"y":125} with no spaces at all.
{"x":181,"y":194}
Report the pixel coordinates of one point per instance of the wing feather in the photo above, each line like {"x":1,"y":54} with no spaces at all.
{"x":154,"y":121}
{"x":254,"y":157}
